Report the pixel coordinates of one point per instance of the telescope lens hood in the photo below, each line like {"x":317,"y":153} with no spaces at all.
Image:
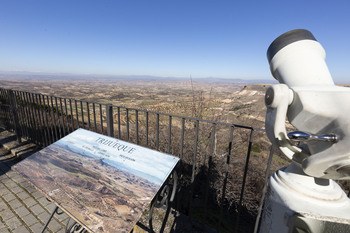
{"x":286,"y":39}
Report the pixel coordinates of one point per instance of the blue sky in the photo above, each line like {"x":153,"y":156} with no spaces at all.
{"x":225,"y":39}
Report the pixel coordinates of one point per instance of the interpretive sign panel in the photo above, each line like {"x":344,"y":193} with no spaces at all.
{"x":102,"y":182}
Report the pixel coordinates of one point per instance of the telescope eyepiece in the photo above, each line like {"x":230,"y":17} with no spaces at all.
{"x":286,"y":39}
{"x":297,"y":59}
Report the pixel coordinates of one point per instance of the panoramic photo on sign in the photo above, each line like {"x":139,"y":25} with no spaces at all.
{"x":102,"y":182}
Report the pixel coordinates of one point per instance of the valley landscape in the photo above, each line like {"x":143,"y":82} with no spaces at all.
{"x":227,"y":101}
{"x":231,"y":101}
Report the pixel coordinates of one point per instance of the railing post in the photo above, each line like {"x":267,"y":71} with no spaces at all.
{"x":109,"y":114}
{"x":15,"y":116}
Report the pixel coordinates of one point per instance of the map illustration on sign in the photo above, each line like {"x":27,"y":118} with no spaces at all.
{"x":102,"y":182}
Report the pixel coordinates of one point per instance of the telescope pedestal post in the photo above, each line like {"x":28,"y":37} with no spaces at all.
{"x":296,"y":202}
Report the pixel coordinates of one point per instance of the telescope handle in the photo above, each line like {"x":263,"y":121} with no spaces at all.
{"x":300,"y":136}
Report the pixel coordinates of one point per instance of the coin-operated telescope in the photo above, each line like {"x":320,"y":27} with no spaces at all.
{"x":302,"y":197}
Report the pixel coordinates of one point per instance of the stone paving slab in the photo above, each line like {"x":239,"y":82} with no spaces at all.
{"x":22,"y":208}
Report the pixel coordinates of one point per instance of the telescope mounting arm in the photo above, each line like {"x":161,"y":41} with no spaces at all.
{"x":277,"y":99}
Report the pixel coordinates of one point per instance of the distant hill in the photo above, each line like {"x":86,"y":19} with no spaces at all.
{"x":64,"y":76}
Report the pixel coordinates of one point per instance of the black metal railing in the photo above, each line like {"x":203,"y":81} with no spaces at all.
{"x":216,"y":186}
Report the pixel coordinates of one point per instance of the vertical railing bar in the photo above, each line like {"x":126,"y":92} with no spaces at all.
{"x":182,"y":138}
{"x":266,"y":181}
{"x":46,"y":119}
{"x":26,"y":109}
{"x":49,"y":119}
{"x":71,"y":114}
{"x":19,"y":130}
{"x":54,"y":110}
{"x":53,"y":121}
{"x":58,"y":118}
{"x":10,"y":112}
{"x":29,"y":110}
{"x":26,"y":117}
{"x":244,"y":179}
{"x":127,"y":124}
{"x":88,"y":114}
{"x":8,"y":109}
{"x":4,"y":107}
{"x":22,"y":118}
{"x":101,"y":118}
{"x":146,"y":129}
{"x":42,"y":127}
{"x":180,"y":167}
{"x":228,"y":157}
{"x":119,"y":123}
{"x":38,"y":119}
{"x":193,"y":167}
{"x":195,"y":151}
{"x":14,"y":116}
{"x":210,"y":160}
{"x":157,"y":135}
{"x":5,"y":97}
{"x":46,"y":106}
{"x":4,"y":114}
{"x":137,"y":126}
{"x":62,"y":116}
{"x":94,"y":113}
{"x":66,"y":110}
{"x":82,"y":114}
{"x":42,"y":121}
{"x":169,"y":134}
{"x":19,"y":116}
{"x":35,"y":117}
{"x":12,"y":122}
{"x":76,"y":112}
{"x":21,"y":123}
{"x":35,"y":135}
{"x":109,"y":115}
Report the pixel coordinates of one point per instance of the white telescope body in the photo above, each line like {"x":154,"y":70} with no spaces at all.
{"x":302,"y":197}
{"x":313,"y":105}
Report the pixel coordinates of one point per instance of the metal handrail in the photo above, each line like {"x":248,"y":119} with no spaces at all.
{"x":44,"y":119}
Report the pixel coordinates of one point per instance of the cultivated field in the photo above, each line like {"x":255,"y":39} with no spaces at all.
{"x":228,"y":101}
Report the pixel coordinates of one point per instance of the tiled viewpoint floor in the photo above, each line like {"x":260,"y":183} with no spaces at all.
{"x":23,"y":208}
